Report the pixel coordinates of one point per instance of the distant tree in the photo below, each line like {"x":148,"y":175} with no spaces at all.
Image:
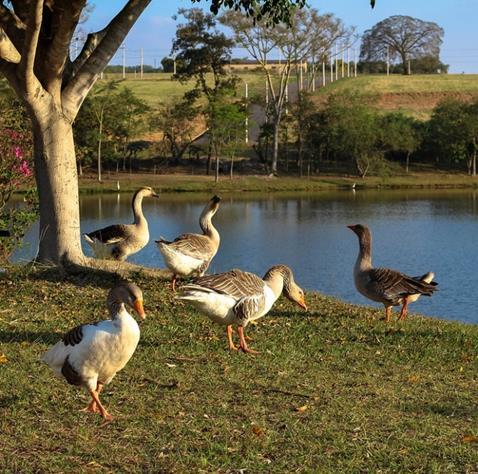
{"x":404,"y":37}
{"x":452,"y":133}
{"x":308,"y":33}
{"x":400,"y":134}
{"x":346,"y":129}
{"x":226,"y":129}
{"x":204,"y":52}
{"x":177,"y":122}
{"x":167,"y":64}
{"x":127,"y":118}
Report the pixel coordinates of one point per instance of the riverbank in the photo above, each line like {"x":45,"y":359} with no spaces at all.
{"x":125,"y":182}
{"x":334,"y":389}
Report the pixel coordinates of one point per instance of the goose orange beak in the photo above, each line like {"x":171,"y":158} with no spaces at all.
{"x":302,"y":304}
{"x":138,"y":306}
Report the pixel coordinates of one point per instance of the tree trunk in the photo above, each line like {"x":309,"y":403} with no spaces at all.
{"x":209,"y":155}
{"x":216,"y":173}
{"x":275,"y":147}
{"x":231,"y":170}
{"x":57,"y":181}
{"x":100,"y":131}
{"x":407,"y":162}
{"x":404,"y":64}
{"x":474,"y":163}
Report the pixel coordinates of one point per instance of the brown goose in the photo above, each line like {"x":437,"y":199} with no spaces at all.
{"x":238,"y":297}
{"x":191,"y":254}
{"x":386,"y":286}
{"x":119,"y":241}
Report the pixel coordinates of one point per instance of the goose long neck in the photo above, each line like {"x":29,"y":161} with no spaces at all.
{"x":205,"y":222}
{"x":116,"y":308}
{"x":364,"y":259}
{"x":275,"y":280}
{"x":138,"y":209}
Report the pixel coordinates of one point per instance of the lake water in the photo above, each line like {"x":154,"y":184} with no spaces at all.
{"x":414,"y":231}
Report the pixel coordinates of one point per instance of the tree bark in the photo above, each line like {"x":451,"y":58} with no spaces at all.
{"x":57,"y":181}
{"x":275,"y":146}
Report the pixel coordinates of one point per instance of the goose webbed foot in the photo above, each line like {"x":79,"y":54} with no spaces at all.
{"x":243,"y":344}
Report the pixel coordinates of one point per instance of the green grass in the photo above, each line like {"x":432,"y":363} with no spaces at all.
{"x":415,"y":95}
{"x":334,"y":390}
{"x":156,"y":88}
{"x":256,"y":183}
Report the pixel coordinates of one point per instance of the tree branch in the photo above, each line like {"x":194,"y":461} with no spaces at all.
{"x":80,"y":84}
{"x":65,"y":17}
{"x":27,"y":62}
{"x":13,"y":26}
{"x":8,"y":52}
{"x":8,"y":69}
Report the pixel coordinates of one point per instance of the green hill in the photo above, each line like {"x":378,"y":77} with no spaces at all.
{"x":416,"y":95}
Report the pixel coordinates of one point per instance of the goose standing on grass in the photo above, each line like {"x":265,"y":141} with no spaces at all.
{"x":191,"y":254}
{"x":386,"y":286}
{"x":119,"y":241}
{"x":90,"y":355}
{"x":238,"y":297}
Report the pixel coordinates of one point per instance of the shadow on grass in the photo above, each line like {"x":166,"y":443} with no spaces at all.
{"x":29,"y":336}
{"x":453,"y":408}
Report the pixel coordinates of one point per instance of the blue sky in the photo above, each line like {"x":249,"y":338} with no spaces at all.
{"x":155,"y":29}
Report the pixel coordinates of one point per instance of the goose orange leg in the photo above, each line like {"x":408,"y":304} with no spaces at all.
{"x":173,"y":283}
{"x":93,"y":407}
{"x":95,"y":395}
{"x":243,"y":343}
{"x":232,"y":346}
{"x":403,"y":312}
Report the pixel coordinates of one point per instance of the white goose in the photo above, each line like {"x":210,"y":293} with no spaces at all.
{"x":191,"y":254}
{"x":90,"y":355}
{"x":386,"y":286}
{"x":238,"y":297}
{"x":118,"y":241}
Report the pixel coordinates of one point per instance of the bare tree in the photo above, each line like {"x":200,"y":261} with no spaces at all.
{"x":308,"y":33}
{"x":402,"y":38}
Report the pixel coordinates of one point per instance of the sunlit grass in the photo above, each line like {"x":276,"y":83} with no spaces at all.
{"x":334,"y":390}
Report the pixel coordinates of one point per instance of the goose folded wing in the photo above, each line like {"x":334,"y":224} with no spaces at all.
{"x":235,"y":283}
{"x":192,"y":245}
{"x":394,"y":285}
{"x":109,"y":235}
{"x":248,"y":307}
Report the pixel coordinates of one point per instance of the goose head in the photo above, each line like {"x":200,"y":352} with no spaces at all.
{"x":291,"y":290}
{"x":362,"y":232}
{"x":128,"y":294}
{"x":147,"y":191}
{"x":213,"y":205}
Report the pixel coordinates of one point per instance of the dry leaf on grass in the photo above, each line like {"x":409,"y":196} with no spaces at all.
{"x":257,"y":430}
{"x":470,"y":439}
{"x":3,"y":359}
{"x":302,"y":408}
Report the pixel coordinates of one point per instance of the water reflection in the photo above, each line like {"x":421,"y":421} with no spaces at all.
{"x":414,"y":231}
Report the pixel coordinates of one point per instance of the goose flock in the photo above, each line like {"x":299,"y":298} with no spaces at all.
{"x":90,"y":355}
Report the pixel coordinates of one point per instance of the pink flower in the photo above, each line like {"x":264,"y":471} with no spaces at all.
{"x":18,"y":152}
{"x":24,"y":169}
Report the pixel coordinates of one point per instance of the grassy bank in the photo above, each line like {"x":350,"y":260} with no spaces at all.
{"x":334,"y":390}
{"x":257,"y":183}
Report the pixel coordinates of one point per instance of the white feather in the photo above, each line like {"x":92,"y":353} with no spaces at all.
{"x":178,"y":263}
